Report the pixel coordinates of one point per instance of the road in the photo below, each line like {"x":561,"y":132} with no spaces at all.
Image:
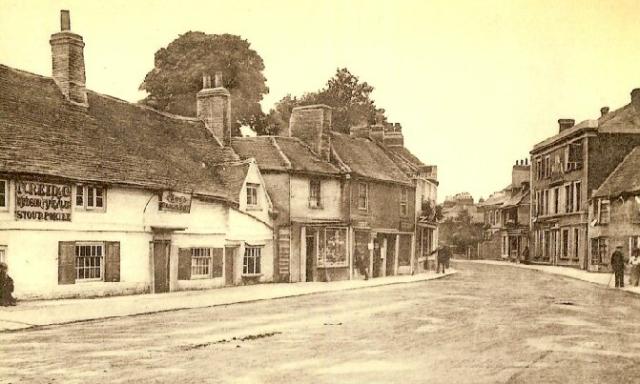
{"x":486,"y":324}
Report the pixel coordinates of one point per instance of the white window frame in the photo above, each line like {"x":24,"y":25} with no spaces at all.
{"x":77,"y":255}
{"x":4,"y":193}
{"x":252,"y":191}
{"x":315,"y":201}
{"x":404,"y":201}
{"x":198,"y":256}
{"x":90,"y":204}
{"x":366,"y":195}
{"x":3,"y":253}
{"x":255,"y":252}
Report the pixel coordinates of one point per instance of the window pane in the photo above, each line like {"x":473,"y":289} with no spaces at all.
{"x":90,"y":196}
{"x":79,"y":196}
{"x":99,"y":197}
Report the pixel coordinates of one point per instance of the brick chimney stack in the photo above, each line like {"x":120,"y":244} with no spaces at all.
{"x":393,"y":135}
{"x":67,"y":52}
{"x":566,"y":124}
{"x":214,"y":108}
{"x":604,"y":111}
{"x":312,"y":124}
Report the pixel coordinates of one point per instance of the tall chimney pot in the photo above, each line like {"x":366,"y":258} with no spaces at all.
{"x":604,"y":111}
{"x":218,"y":79}
{"x":65,"y":20}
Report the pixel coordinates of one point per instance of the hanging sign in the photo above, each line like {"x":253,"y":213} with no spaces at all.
{"x":40,"y":201}
{"x":175,"y":202}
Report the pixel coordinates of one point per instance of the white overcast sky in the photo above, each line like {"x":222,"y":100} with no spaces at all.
{"x":474,"y":83}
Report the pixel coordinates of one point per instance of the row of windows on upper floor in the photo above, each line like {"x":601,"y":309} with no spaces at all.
{"x":567,"y":159}
{"x":558,"y":200}
{"x":92,"y":197}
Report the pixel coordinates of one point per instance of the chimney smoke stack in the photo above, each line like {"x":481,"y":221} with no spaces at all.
{"x":604,"y":111}
{"x":566,"y":124}
{"x":67,"y":54}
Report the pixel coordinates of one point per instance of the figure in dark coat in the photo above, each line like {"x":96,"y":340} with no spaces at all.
{"x":442,"y":258}
{"x":6,"y":287}
{"x":617,"y":264}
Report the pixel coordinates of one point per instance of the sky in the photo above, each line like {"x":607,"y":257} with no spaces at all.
{"x":475,"y":84}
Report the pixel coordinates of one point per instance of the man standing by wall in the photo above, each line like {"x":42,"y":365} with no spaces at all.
{"x":617,"y":264}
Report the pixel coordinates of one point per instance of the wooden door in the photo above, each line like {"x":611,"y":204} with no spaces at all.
{"x":161,"y":266}
{"x":229,"y":253}
{"x":311,"y":255}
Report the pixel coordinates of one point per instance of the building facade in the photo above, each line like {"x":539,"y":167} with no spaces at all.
{"x":99,"y":196}
{"x":567,"y":169}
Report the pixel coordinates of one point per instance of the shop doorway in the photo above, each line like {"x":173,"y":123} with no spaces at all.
{"x":390,"y":257}
{"x":161,"y":250}
{"x":311,"y":254}
{"x":378,"y":252}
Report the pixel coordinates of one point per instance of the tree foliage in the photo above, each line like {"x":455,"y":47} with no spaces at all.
{"x":176,"y":78}
{"x":349,"y":98}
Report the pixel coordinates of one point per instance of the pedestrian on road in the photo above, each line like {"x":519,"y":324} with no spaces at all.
{"x":442,"y":258}
{"x":617,"y":264}
{"x":635,"y":268}
{"x":6,"y":287}
{"x":525,"y":255}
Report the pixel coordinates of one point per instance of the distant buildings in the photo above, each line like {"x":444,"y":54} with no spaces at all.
{"x":463,"y":201}
{"x":506,"y":217}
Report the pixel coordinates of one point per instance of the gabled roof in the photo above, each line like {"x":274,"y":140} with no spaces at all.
{"x":282,"y":154}
{"x":518,"y":198}
{"x":625,"y":178}
{"x":111,"y":141}
{"x":366,"y":159}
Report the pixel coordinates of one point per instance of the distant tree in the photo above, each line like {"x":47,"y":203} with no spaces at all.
{"x":177,"y":76}
{"x":349,"y":98}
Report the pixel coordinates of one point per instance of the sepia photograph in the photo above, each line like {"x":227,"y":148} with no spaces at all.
{"x":249,"y":192}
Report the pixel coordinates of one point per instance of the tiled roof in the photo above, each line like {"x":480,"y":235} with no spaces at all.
{"x":367,"y":159}
{"x":275,"y":153}
{"x":516,"y":199}
{"x":405,"y":160}
{"x":575,"y":130}
{"x":625,"y":179}
{"x":496,"y":198}
{"x":111,"y":141}
{"x":625,"y":119}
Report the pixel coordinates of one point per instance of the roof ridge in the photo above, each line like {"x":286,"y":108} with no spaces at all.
{"x":636,"y":148}
{"x":284,"y":157}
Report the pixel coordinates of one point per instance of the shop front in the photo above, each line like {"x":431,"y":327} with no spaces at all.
{"x":324,"y":251}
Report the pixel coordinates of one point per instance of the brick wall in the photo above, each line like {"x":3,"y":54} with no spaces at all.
{"x":384,"y":205}
{"x":312,"y":124}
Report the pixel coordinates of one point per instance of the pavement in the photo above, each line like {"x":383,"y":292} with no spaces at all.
{"x":604,"y":279}
{"x":29,"y":314}
{"x":485,"y":324}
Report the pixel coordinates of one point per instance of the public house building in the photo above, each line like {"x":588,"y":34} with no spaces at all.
{"x":99,"y":196}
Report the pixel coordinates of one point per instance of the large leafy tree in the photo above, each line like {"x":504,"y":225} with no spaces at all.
{"x":177,"y":76}
{"x":345,"y":93}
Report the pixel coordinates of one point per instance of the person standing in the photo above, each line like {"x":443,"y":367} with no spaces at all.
{"x":617,"y":264}
{"x":525,"y":255}
{"x":6,"y":287}
{"x":635,"y":268}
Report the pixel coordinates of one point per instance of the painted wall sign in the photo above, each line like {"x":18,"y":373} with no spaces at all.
{"x":175,"y":202}
{"x":40,"y":201}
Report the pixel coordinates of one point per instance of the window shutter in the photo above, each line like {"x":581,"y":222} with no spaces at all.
{"x":112,"y":261}
{"x":216,"y":262}
{"x":66,"y":262}
{"x":184,"y":264}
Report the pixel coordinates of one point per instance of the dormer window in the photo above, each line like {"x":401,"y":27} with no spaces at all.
{"x":90,"y":197}
{"x":252,"y":195}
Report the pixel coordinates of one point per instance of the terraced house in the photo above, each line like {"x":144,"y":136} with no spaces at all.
{"x":99,"y":196}
{"x":567,"y":169}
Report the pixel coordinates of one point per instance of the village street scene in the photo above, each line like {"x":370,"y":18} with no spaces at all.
{"x":190,"y":193}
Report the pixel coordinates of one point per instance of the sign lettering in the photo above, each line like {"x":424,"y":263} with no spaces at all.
{"x":43,"y":201}
{"x":175,"y":202}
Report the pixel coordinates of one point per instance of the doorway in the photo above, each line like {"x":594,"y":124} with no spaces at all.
{"x":390,"y":257}
{"x":378,"y":252}
{"x":161,"y":249}
{"x":311,"y":255}
{"x":229,"y":255}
